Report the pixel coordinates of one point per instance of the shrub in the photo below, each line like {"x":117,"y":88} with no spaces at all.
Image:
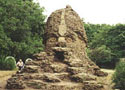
{"x":119,"y":76}
{"x":101,"y":55}
{"x":2,"y":63}
{"x":10,"y":63}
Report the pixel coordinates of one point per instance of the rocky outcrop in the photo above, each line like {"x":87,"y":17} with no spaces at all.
{"x":64,"y":64}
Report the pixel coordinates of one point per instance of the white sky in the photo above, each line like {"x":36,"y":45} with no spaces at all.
{"x":93,"y":11}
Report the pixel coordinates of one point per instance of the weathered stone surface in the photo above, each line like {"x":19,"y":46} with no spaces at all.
{"x":51,"y":78}
{"x":15,"y":83}
{"x":40,"y":56}
{"x":33,"y":63}
{"x":100,"y":73}
{"x":81,"y":77}
{"x":75,"y":62}
{"x":92,"y":85}
{"x":30,"y":69}
{"x":64,"y":65}
{"x":76,"y":70}
{"x":54,"y":86}
{"x":58,"y":68}
{"x":63,"y":76}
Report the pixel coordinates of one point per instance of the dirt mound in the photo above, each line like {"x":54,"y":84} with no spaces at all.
{"x":64,"y":65}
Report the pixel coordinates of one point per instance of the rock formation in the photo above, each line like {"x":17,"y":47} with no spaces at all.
{"x":64,"y":65}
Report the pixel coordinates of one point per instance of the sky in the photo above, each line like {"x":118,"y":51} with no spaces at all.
{"x":93,"y":11}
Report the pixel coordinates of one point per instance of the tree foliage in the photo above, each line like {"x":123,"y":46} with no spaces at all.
{"x":21,"y":28}
{"x":106,"y":43}
{"x":101,"y":55}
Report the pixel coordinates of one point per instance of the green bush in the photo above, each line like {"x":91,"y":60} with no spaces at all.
{"x":101,"y":55}
{"x":9,"y":63}
{"x":2,"y":63}
{"x":119,"y":76}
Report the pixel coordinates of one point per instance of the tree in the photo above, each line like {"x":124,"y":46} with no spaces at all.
{"x":116,"y":40}
{"x":21,"y":27}
{"x":112,"y":37}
